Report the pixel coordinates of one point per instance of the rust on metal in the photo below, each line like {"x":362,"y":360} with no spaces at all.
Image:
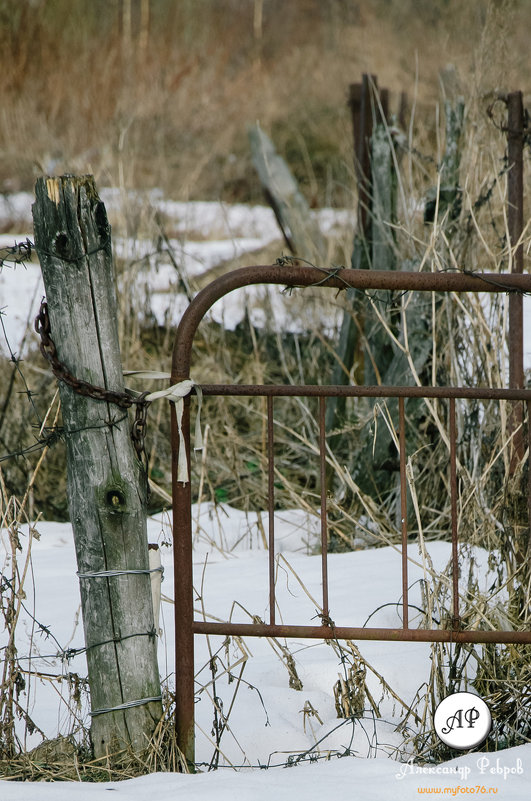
{"x":47,"y":347}
{"x":453,"y":508}
{"x":380,"y":391}
{"x":361,"y":633}
{"x":122,"y":399}
{"x":324,"y":513}
{"x":271,"y":507}
{"x":403,"y":509}
{"x":293,"y":275}
{"x":183,"y":591}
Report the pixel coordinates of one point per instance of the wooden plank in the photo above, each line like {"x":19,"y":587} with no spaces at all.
{"x":300,"y":231}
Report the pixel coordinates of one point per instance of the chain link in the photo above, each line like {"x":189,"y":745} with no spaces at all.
{"x":122,"y":399}
{"x":138,"y":429}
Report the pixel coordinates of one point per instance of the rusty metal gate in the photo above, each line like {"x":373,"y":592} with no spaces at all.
{"x":297,"y":276}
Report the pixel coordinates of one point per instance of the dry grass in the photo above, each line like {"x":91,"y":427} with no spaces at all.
{"x":171,"y":111}
{"x":70,"y":758}
{"x":166,"y":101}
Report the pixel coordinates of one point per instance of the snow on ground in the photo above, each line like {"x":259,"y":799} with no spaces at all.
{"x":483,"y":775}
{"x":268,"y":723}
{"x":203,"y":235}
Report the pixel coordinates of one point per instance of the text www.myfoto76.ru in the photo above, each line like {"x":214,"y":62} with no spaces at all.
{"x":478,"y":789}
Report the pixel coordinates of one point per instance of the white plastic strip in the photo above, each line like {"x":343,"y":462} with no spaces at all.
{"x":156,"y":581}
{"x":176,"y":393}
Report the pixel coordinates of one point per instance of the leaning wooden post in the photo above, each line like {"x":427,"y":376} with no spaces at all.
{"x":106,"y":494}
{"x":300,"y":231}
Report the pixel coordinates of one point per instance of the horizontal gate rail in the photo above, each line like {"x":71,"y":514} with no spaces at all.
{"x":352,"y":633}
{"x":380,"y":391}
{"x":295,"y":276}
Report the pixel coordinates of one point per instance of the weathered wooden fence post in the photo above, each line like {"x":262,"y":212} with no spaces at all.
{"x":106,"y":492}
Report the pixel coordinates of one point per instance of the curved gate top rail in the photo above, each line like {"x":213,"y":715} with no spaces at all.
{"x":295,"y":276}
{"x":291,"y":275}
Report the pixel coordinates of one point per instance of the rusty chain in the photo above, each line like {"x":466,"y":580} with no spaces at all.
{"x":138,"y":430}
{"x":122,"y":399}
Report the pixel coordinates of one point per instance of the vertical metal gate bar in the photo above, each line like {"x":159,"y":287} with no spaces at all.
{"x":183,"y":589}
{"x":403,"y":509}
{"x":453,"y":507}
{"x":324,"y":522}
{"x":271,"y":507}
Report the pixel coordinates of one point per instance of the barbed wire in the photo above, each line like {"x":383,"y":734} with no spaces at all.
{"x":312,"y":754}
{"x":123,"y":399}
{"x":64,"y":654}
{"x":16,"y":370}
{"x":18,"y":253}
{"x":391,"y":300}
{"x":49,"y":436}
{"x":54,"y":434}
